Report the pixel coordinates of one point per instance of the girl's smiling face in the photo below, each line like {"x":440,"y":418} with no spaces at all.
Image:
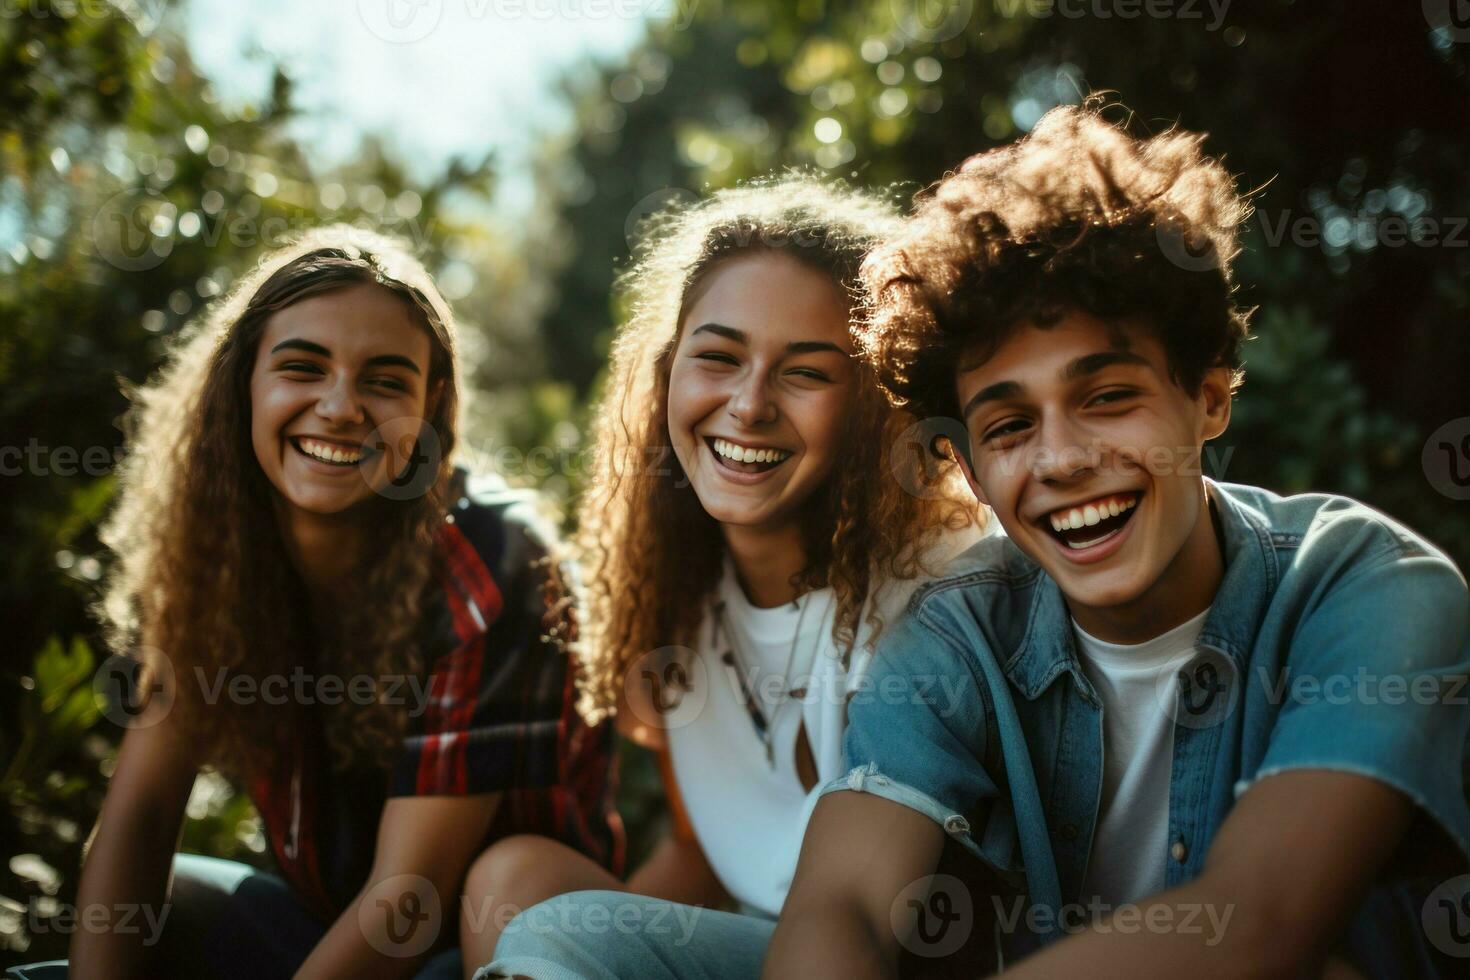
{"x":339,"y":391}
{"x":761,"y":385}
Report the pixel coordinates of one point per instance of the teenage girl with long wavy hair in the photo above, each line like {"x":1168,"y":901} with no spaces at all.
{"x":755,"y":514}
{"x":370,"y":640}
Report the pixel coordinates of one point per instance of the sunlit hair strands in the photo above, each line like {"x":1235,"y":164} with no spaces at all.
{"x":1079,"y":214}
{"x":202,"y":575}
{"x":650,"y":553}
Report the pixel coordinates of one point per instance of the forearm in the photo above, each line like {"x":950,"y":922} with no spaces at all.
{"x":829,"y":940}
{"x":127,"y":868}
{"x":378,"y":935}
{"x":1202,"y":930}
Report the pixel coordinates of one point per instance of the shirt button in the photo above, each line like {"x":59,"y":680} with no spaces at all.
{"x":956,"y":824}
{"x":1069,"y":831}
{"x":1178,"y":851}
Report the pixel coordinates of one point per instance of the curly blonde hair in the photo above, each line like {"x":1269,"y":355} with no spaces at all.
{"x":650,"y":553}
{"x":202,"y":576}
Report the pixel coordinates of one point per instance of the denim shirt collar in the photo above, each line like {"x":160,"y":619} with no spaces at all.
{"x":1047,"y":648}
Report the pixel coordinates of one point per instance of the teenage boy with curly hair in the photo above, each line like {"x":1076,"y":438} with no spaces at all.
{"x":1206,"y":730}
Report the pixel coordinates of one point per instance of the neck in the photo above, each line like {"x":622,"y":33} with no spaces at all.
{"x":1186,"y":588}
{"x":323,"y":548}
{"x":766,"y":561}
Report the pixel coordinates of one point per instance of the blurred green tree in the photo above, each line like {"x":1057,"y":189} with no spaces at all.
{"x":129,"y":199}
{"x":1353,"y":130}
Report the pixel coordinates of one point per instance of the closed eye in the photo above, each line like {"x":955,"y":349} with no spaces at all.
{"x":1112,"y":396}
{"x":1009,"y":428}
{"x":812,"y":373}
{"x":393,"y":384}
{"x":718,"y":357}
{"x":301,"y":367}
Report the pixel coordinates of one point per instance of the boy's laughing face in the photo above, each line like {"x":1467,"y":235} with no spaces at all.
{"x":1088,"y":451}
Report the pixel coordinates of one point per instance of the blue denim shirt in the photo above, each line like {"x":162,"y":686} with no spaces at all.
{"x":1338,"y":640}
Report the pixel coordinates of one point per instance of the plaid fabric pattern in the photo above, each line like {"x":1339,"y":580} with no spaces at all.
{"x":500,"y":717}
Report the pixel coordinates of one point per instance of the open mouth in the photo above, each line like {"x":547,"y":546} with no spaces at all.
{"x":1090,"y":524}
{"x":331,"y":453}
{"x":746,"y":459}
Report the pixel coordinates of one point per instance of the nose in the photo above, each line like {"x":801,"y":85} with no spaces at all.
{"x":751,"y":403}
{"x":339,"y":404}
{"x":1059,"y":455}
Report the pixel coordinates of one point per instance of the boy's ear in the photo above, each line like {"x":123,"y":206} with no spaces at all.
{"x":1215,"y":399}
{"x":431,"y":403}
{"x":962,"y":460}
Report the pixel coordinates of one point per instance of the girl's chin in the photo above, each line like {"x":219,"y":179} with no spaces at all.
{"x":323,"y":504}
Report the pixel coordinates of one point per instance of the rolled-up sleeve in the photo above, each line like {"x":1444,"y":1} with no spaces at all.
{"x":916,"y":736}
{"x":1376,"y":685}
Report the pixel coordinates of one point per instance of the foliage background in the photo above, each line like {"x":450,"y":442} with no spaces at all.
{"x":129,"y":199}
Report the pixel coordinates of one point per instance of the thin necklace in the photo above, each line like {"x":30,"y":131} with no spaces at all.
{"x":764,"y":728}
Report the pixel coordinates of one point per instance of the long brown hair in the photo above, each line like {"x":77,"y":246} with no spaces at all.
{"x":649,"y":550}
{"x":202,"y":575}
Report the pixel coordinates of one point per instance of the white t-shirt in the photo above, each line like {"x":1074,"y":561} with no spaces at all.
{"x":748,"y":814}
{"x":1130,"y":846}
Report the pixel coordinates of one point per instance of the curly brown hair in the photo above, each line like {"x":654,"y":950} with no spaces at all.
{"x":1078,"y":215}
{"x":649,"y":550}
{"x":202,"y":576}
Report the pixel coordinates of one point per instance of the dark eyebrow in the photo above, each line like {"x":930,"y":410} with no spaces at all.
{"x":397,"y":360}
{"x":305,"y":345}
{"x":1080,"y":368}
{"x":1093,"y":363}
{"x":995,"y":392}
{"x":741,"y":337}
{"x":720,"y":330}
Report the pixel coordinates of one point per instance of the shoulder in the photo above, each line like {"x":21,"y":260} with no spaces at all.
{"x":508,"y":527}
{"x":938,"y":561}
{"x":1317,"y":533}
{"x":974,"y":597}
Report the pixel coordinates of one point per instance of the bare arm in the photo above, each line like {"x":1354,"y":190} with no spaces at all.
{"x":1284,"y":874}
{"x":131,"y":851}
{"x":425,"y":845}
{"x":859,"y":853}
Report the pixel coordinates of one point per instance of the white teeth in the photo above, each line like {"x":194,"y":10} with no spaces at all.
{"x":1092,"y":513}
{"x":745,"y":454}
{"x":328,"y":454}
{"x":1079,"y":545}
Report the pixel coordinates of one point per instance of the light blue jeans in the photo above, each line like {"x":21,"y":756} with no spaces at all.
{"x":609,"y":935}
